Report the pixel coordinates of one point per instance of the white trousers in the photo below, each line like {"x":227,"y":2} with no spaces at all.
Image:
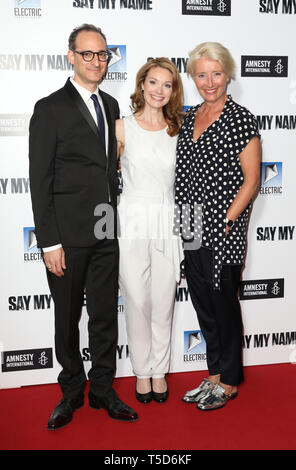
{"x":147,"y":282}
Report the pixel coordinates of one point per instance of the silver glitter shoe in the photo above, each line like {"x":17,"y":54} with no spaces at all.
{"x":217,"y":398}
{"x":194,"y":396}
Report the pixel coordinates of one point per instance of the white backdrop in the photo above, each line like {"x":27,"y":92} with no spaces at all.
{"x":33,"y":44}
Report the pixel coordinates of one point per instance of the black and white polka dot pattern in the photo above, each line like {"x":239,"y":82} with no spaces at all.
{"x":208,"y":172}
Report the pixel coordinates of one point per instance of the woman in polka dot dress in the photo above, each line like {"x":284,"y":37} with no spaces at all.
{"x":218,"y":167}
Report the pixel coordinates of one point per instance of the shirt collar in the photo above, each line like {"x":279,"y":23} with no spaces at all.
{"x":84,"y":93}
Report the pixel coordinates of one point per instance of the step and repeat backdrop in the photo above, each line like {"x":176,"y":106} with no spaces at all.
{"x":260,"y":34}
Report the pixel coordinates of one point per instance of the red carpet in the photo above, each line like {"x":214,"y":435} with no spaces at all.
{"x":261,"y":418}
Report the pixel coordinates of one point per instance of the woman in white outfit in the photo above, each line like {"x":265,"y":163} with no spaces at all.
{"x":150,"y":255}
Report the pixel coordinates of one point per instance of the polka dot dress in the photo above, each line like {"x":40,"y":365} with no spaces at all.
{"x":209,"y":175}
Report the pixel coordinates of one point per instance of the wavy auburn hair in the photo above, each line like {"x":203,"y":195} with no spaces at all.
{"x":173,"y":109}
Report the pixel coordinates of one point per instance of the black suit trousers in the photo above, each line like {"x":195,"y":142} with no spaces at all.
{"x":218,"y":313}
{"x":93,"y":270}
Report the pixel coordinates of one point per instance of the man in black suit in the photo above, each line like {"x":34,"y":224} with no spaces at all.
{"x":73,"y":177}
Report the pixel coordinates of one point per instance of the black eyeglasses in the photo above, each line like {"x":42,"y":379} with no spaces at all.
{"x":88,"y":56}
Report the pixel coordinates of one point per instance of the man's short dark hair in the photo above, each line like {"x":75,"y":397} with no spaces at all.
{"x":84,"y":27}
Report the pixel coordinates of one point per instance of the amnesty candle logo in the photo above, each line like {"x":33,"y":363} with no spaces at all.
{"x":14,"y":124}
{"x":28,"y":359}
{"x":262,"y":289}
{"x":194,"y":346}
{"x":206,"y":7}
{"x":264,"y":66}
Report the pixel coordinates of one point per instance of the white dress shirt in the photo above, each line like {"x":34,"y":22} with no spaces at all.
{"x":86,"y":96}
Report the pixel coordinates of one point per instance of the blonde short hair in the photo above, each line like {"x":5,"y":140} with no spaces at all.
{"x":213,"y":51}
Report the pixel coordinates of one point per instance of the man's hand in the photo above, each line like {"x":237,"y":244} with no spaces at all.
{"x":55,"y":261}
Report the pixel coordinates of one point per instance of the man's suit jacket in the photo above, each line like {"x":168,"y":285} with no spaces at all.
{"x":70,"y":173}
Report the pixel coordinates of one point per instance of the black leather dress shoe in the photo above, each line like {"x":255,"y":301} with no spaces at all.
{"x":115,"y":407}
{"x":144,"y":397}
{"x":63,"y":413}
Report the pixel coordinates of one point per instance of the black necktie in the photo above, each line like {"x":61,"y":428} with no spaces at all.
{"x":101,"y":124}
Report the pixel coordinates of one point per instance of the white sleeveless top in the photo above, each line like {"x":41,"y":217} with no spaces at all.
{"x":147,"y":201}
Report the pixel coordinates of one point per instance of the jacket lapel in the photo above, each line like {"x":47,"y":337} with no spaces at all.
{"x":75,"y":96}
